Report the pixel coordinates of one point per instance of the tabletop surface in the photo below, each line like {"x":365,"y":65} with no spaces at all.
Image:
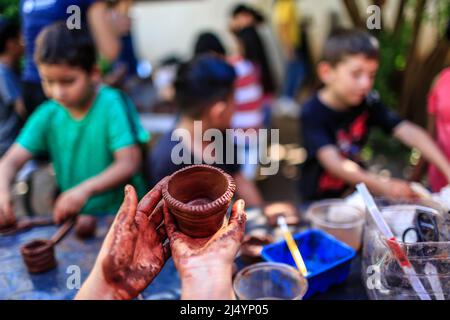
{"x":76,"y":257}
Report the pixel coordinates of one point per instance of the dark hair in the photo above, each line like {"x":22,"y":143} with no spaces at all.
{"x":202,"y":82}
{"x":242,"y":8}
{"x":255,"y":52}
{"x":344,"y":42}
{"x":8,"y":30}
{"x":57,"y":44}
{"x":208,"y":42}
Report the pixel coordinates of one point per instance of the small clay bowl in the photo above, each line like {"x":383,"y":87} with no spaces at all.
{"x":198,"y":196}
{"x":39,"y":254}
{"x":86,"y":226}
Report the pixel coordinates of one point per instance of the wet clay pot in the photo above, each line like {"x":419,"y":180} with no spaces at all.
{"x":39,"y":254}
{"x":198,"y":197}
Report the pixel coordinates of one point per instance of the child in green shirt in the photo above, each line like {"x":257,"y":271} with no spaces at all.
{"x":91,"y":132}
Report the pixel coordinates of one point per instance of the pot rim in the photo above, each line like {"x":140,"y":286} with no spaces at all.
{"x":204,"y":209}
{"x":44,"y":245}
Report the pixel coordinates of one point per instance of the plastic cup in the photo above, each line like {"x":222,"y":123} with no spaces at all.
{"x":343,"y":221}
{"x":269,"y":281}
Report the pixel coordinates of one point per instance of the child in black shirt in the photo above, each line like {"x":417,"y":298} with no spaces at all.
{"x":337,"y":119}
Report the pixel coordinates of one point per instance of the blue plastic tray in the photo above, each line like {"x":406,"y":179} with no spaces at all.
{"x":327,"y":259}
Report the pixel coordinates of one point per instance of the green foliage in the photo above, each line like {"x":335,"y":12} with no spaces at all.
{"x":393,"y":56}
{"x":394,"y":50}
{"x":393,"y":59}
{"x":10,"y":9}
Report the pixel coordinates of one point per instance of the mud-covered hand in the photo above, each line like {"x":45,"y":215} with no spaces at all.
{"x":205,"y":264}
{"x":133,"y":252}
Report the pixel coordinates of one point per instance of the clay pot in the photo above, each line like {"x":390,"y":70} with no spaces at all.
{"x":39,"y":255}
{"x":86,"y":226}
{"x":198,"y":196}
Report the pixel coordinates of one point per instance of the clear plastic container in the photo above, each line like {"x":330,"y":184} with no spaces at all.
{"x":336,"y":217}
{"x":328,"y":260}
{"x":269,"y":281}
{"x":383,"y":277}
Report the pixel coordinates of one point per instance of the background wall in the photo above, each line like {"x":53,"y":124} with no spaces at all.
{"x":163,"y":28}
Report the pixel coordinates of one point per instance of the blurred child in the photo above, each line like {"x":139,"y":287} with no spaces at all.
{"x":203,"y":93}
{"x":286,"y":22}
{"x":248,"y":93}
{"x":243,"y":16}
{"x":11,"y":105}
{"x":337,"y":120}
{"x":439,"y":125}
{"x":124,"y":68}
{"x":35,"y":15}
{"x":91,"y":133}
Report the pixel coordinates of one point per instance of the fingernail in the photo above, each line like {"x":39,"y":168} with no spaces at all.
{"x":241,"y":205}
{"x":127,"y":189}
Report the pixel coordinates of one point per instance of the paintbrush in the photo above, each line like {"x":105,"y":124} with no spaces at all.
{"x":293,"y":248}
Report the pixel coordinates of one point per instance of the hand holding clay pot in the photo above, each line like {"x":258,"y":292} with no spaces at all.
{"x":205,"y":264}
{"x":133,"y":252}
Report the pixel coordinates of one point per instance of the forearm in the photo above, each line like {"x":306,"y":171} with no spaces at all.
{"x":96,"y":288}
{"x":352,"y":174}
{"x":208,"y":283}
{"x":10,"y":164}
{"x":7,"y":174}
{"x":92,"y":290}
{"x":105,"y":38}
{"x":247,"y":190}
{"x":118,"y":173}
{"x":416,"y":137}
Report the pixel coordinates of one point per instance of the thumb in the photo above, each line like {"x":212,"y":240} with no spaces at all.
{"x":169,"y":222}
{"x":238,"y":216}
